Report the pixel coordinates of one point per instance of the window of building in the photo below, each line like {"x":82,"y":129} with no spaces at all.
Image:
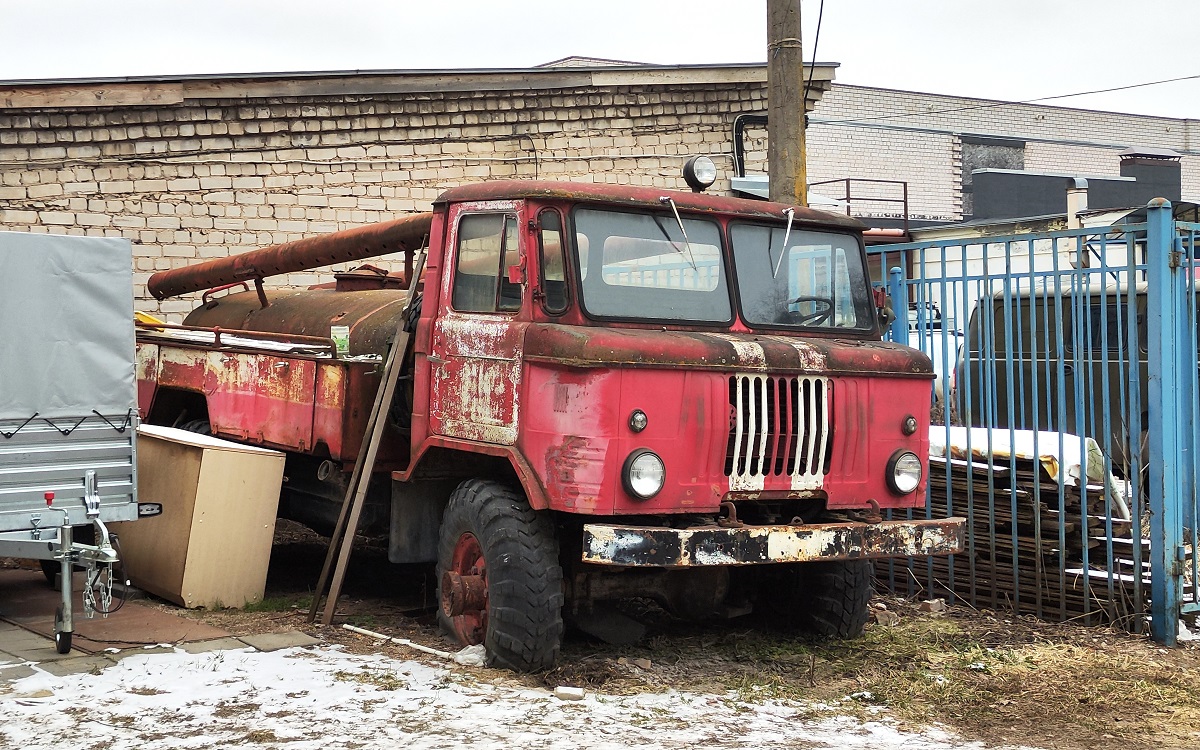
{"x":986,"y":153}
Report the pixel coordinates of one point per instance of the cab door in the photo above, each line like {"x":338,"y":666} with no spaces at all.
{"x":475,"y":351}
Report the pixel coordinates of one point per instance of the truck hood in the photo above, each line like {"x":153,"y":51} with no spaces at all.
{"x":577,"y":346}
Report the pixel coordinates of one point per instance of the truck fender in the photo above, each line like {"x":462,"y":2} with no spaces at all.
{"x":521,"y":469}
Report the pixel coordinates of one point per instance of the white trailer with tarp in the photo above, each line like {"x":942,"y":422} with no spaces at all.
{"x":68,"y":409}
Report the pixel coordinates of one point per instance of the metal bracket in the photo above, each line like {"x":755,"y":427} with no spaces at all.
{"x":35,"y":521}
{"x":1175,"y":260}
{"x":91,"y":498}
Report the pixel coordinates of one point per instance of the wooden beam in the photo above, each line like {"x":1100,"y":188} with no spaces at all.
{"x":109,"y":93}
{"x":84,"y":95}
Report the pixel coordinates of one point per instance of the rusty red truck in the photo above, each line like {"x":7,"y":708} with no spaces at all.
{"x":611,"y":392}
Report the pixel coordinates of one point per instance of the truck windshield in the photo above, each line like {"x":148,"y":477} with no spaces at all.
{"x":817,"y":281}
{"x":640,"y":266}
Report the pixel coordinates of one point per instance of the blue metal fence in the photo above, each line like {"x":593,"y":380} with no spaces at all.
{"x":1063,"y":418}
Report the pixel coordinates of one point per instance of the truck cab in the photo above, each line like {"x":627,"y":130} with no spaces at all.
{"x":612,"y":391}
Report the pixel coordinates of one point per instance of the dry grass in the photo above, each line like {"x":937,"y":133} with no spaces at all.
{"x":989,"y":676}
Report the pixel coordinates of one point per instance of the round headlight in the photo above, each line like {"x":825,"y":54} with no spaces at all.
{"x":699,"y":172}
{"x":638,"y":420}
{"x":644,"y":474}
{"x":904,"y":472}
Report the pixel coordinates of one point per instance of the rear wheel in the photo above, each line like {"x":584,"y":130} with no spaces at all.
{"x":499,"y":578}
{"x":827,"y":598}
{"x":198,"y":426}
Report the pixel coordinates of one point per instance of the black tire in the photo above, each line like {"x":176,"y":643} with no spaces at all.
{"x":198,"y":426}
{"x":829,"y":599}
{"x":521,"y":624}
{"x":414,"y":312}
{"x":62,"y":640}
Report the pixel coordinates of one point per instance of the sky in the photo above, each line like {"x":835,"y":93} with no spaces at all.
{"x":1015,"y":50}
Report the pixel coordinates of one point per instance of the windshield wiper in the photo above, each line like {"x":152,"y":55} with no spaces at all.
{"x":690,"y":258}
{"x":791,"y":213}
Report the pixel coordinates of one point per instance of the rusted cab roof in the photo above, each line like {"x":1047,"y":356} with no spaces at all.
{"x":641,"y":197}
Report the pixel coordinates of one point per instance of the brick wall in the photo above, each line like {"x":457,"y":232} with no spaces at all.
{"x":190,"y":182}
{"x":219,"y":168}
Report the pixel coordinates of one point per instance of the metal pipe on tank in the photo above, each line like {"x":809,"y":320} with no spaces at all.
{"x":403,"y":235}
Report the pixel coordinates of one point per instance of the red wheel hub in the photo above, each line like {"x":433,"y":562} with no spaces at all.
{"x":464,"y":591}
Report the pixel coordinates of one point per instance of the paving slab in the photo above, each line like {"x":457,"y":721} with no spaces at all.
{"x":43,"y":653}
{"x":20,"y":639}
{"x":27,"y":601}
{"x":76,"y":665}
{"x":277,"y":641}
{"x":217,"y":644}
{"x":143,"y":651}
{"x":16,"y":672}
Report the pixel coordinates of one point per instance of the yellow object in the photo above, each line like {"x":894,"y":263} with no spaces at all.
{"x":147,"y":318}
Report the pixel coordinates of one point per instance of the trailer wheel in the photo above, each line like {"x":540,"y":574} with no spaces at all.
{"x":62,"y":640}
{"x":499,"y":578}
{"x":829,"y":599}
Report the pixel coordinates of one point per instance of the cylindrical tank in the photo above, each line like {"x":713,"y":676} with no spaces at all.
{"x":372,"y":314}
{"x":403,"y":235}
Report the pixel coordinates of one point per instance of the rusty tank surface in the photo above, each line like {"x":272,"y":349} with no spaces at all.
{"x":370,"y":314}
{"x":400,"y":236}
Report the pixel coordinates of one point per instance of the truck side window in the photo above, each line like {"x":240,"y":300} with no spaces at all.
{"x":510,"y":293}
{"x":480,"y":281}
{"x":554,"y":279}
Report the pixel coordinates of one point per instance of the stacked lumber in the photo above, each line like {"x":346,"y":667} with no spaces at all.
{"x":1034,"y":546}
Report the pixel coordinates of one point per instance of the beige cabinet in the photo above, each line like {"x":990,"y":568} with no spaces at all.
{"x":211,"y":544}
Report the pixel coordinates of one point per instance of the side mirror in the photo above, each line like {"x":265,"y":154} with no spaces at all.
{"x":883,"y":307}
{"x":516,"y":273}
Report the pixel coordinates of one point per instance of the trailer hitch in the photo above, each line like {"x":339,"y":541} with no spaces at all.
{"x":97,"y":560}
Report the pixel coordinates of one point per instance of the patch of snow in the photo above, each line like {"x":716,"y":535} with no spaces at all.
{"x":314,"y":699}
{"x":472,"y":656}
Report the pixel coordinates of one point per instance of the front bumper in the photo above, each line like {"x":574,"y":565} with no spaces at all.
{"x":649,"y":546}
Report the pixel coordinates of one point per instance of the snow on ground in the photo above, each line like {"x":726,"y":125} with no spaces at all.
{"x":327,"y":698}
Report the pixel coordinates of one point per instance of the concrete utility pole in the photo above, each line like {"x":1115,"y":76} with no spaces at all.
{"x":785,"y":104}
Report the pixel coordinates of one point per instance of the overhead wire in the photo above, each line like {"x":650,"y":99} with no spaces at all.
{"x":1005,"y":103}
{"x":813,"y":65}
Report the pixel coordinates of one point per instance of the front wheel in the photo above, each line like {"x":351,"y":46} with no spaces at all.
{"x":499,"y":577}
{"x":829,"y":599}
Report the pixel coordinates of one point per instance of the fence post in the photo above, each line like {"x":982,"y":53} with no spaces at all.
{"x":898,"y":291}
{"x":1169,"y":407}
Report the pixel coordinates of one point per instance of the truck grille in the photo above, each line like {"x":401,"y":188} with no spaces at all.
{"x":778,"y":426}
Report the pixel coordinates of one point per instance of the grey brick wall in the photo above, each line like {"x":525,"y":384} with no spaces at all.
{"x":199,"y":177}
